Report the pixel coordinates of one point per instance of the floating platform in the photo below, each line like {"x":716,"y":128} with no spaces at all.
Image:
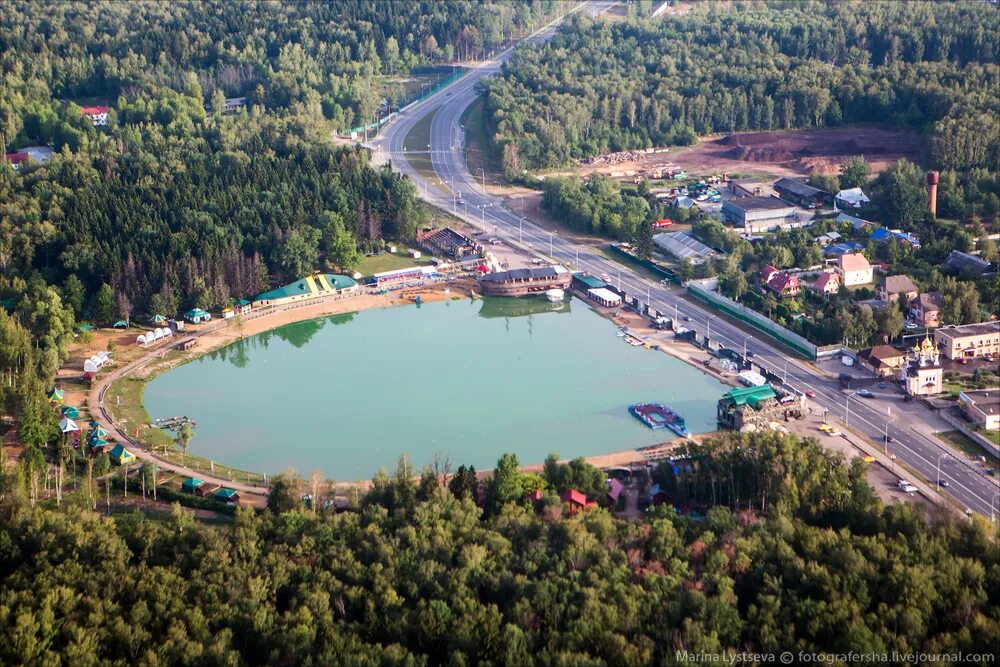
{"x":657,"y":416}
{"x":175,"y":423}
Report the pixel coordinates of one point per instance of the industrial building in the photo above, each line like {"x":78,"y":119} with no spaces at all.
{"x":759,"y":214}
{"x":801,"y":193}
{"x":605,"y":297}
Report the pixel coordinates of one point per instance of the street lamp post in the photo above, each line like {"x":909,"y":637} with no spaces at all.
{"x":484,"y":178}
{"x":847,"y":410}
{"x":885,"y":439}
{"x":938,"y":480}
{"x":551,"y":236}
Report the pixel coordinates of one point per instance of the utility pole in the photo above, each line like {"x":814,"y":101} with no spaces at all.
{"x":551,"y":236}
{"x":847,"y":411}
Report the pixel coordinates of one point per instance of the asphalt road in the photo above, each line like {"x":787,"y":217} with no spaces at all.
{"x":912,"y":447}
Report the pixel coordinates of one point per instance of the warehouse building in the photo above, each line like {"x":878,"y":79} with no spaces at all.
{"x":801,"y":193}
{"x":760,"y":214}
{"x":969,"y":341}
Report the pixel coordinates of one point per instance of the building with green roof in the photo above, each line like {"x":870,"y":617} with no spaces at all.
{"x":310,"y":287}
{"x":228,"y":495}
{"x":585,"y":281}
{"x":750,"y":408}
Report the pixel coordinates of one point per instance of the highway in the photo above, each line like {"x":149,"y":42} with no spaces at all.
{"x":910,"y":444}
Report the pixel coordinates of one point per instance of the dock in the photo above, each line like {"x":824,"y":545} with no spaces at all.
{"x":174,"y":423}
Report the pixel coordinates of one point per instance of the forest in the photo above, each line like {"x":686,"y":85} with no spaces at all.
{"x":722,"y":67}
{"x":781,"y":546}
{"x":175,"y":204}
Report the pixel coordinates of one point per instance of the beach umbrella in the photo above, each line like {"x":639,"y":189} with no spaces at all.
{"x":56,"y":396}
{"x":157,"y":319}
{"x":71,"y":412}
{"x":93,"y":423}
{"x":98,"y":433}
{"x":67,"y":425}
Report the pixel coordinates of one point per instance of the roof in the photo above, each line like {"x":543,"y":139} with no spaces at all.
{"x":826,"y":279}
{"x":592,"y":282}
{"x":897,"y":284}
{"x":758,"y":203}
{"x":960,"y":331}
{"x":242,"y":302}
{"x":573,"y":496}
{"x":196,"y":312}
{"x":313,"y":284}
{"x":614,"y":489}
{"x":882,"y":353}
{"x":930,"y":301}
{"x":881,"y":234}
{"x":16,"y":158}
{"x":798,"y":188}
{"x":93,"y":111}
{"x":226,"y":493}
{"x":960,"y":261}
{"x":684,"y":202}
{"x":986,"y":400}
{"x":751,"y":395}
{"x":192,"y":483}
{"x":682,"y":245}
{"x":767,"y":273}
{"x":604,"y":294}
{"x":857,"y":223}
{"x":781,"y":281}
{"x":119,"y":452}
{"x":853,"y":196}
{"x":841,"y":248}
{"x":524,"y":274}
{"x":853,"y":262}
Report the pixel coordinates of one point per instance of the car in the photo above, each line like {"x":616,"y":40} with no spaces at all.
{"x":749,"y":355}
{"x":665,"y":281}
{"x":864,"y":393}
{"x":826,"y":428}
{"x":868,"y":459}
{"x":943,"y":483}
{"x":885,"y":438}
{"x":461,"y":202}
{"x":881,"y":384}
{"x":911,"y":326}
{"x":833,"y":432}
{"x":687,"y":319}
{"x":810,"y":393}
{"x":605,"y":277}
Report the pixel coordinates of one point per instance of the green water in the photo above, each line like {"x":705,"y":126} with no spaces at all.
{"x":471,"y":379}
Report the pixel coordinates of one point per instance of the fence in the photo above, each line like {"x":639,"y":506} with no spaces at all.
{"x":454,"y":76}
{"x":699,"y":290}
{"x":976,"y":437}
{"x":652,"y":266}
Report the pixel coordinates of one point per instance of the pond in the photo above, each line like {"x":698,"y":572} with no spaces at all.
{"x":470,"y":379}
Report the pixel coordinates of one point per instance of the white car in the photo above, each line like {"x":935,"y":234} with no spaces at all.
{"x":911,"y":326}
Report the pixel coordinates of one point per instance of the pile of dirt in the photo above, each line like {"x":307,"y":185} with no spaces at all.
{"x":759,"y":154}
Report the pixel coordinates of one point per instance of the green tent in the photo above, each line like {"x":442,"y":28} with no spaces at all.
{"x":157,"y":319}
{"x":98,"y":433}
{"x":120,"y":324}
{"x":71,"y":412}
{"x":56,"y":396}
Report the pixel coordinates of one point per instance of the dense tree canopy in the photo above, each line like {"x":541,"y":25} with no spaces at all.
{"x":792,"y":551}
{"x":724,"y":67}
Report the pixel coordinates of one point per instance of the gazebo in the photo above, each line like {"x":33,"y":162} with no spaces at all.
{"x":157,"y":319}
{"x":56,"y":396}
{"x":120,"y":324}
{"x":67,"y":425}
{"x":122,"y":456}
{"x":71,"y":411}
{"x":99,"y":446}
{"x":98,"y":433}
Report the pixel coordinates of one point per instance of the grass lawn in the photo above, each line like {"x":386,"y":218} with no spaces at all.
{"x":477,"y":155}
{"x":389,"y":262}
{"x":416,"y":146}
{"x":966,"y":444}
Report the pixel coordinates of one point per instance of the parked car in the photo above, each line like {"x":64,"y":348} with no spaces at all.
{"x":864,"y":393}
{"x":911,"y":326}
{"x":868,"y":459}
{"x":810,"y":393}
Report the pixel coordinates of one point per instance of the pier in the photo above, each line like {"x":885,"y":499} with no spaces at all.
{"x":175,"y":423}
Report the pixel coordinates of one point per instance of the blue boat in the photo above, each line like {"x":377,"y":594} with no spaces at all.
{"x":657,"y":415}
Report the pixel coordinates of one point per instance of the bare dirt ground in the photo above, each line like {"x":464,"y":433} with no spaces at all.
{"x":794,"y":153}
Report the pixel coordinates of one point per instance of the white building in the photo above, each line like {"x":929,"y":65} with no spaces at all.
{"x":854,"y":269}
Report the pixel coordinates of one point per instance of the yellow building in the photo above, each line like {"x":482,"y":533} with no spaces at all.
{"x":969,"y":341}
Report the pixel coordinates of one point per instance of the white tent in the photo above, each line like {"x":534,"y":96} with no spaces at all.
{"x":157,"y":334}
{"x":67,"y":425}
{"x":141,"y":340}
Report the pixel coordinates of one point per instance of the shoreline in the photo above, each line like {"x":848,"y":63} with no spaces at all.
{"x":149,"y":366}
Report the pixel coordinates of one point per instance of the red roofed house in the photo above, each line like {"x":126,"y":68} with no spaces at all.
{"x":16,"y":159}
{"x":574,"y":498}
{"x":767,"y":273}
{"x":97,"y":115}
{"x":827,"y":283}
{"x":784,"y":284}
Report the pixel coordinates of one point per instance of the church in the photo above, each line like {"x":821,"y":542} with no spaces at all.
{"x":922,"y":375}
